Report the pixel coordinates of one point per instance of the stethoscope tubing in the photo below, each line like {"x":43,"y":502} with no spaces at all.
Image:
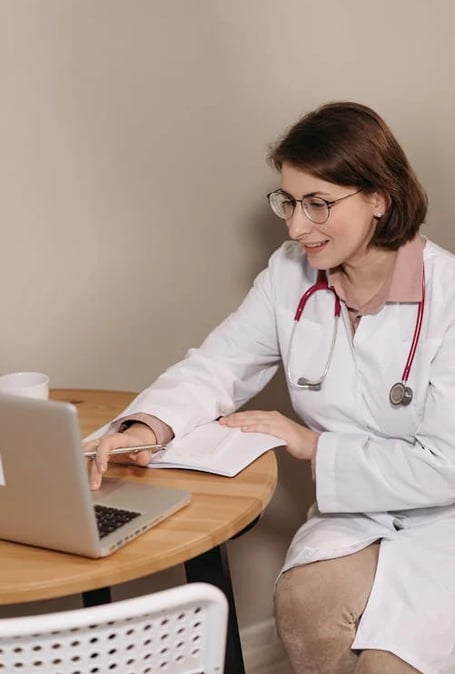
{"x":321,"y":284}
{"x":416,"y":336}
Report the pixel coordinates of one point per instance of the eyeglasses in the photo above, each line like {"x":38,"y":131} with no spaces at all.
{"x":316,"y":209}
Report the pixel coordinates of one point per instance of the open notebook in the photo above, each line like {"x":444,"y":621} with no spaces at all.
{"x":214,"y":448}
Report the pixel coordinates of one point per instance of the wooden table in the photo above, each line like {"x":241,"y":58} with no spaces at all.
{"x":220,"y":509}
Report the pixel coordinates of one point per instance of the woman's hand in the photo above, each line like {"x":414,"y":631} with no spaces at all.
{"x":136,"y":434}
{"x":301,"y":442}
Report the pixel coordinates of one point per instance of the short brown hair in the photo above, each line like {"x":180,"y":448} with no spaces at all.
{"x":350,"y":144}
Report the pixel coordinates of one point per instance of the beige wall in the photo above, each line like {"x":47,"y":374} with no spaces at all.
{"x":132,"y":178}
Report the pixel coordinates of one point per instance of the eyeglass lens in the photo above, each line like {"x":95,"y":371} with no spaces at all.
{"x":315,"y":208}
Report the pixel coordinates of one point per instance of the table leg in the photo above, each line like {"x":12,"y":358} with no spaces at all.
{"x":213,"y":567}
{"x":95,"y":597}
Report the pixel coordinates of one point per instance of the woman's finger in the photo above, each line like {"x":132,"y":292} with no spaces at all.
{"x":106,"y":444}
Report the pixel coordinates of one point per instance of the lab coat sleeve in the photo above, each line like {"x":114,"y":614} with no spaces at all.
{"x":233,"y":364}
{"x":360,"y":473}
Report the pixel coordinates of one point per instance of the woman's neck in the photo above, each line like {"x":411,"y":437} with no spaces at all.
{"x":366,"y":276}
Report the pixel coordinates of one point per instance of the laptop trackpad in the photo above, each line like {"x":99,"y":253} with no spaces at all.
{"x":109,"y":487}
{"x":140,"y":497}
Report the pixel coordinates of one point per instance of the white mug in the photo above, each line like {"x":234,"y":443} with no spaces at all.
{"x":28,"y":384}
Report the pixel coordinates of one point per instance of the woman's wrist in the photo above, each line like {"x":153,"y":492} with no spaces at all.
{"x":141,"y":431}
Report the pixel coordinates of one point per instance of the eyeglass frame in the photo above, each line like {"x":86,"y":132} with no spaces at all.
{"x":294,"y":203}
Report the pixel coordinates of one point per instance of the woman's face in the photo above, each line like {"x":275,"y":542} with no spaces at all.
{"x":343,"y":239}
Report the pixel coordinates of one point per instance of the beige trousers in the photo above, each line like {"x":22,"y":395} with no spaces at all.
{"x":318,"y":607}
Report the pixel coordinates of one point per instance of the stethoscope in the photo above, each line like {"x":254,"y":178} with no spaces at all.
{"x":400,"y":393}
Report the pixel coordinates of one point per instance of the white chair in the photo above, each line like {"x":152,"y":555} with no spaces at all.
{"x":176,"y":631}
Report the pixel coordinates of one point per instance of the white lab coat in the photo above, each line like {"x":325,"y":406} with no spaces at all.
{"x":381,"y":472}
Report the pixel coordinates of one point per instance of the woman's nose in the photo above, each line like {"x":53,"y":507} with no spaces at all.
{"x":299,"y":224}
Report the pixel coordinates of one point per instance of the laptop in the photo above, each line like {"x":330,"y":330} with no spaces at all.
{"x":45,"y":496}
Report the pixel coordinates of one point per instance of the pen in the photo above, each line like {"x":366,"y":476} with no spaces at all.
{"x":128,"y":450}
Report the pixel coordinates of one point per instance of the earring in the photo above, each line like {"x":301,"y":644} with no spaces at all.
{"x":378,"y":215}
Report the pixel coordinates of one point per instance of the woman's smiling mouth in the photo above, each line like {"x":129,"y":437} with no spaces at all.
{"x":314,"y":247}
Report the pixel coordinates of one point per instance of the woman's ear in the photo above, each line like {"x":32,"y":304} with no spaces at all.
{"x":381,"y":204}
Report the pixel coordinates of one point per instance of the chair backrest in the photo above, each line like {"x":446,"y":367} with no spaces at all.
{"x":177,"y":631}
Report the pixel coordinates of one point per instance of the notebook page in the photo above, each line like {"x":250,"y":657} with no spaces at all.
{"x":216,"y":449}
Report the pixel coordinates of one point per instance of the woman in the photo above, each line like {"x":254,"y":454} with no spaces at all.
{"x":368,"y":585}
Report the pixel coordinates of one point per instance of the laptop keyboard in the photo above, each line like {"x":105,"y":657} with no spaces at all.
{"x":109,"y":519}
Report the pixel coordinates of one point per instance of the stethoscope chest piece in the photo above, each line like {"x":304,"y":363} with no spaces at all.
{"x":400,"y":394}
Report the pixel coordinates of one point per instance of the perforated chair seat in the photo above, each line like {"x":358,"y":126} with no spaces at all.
{"x":176,"y":631}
